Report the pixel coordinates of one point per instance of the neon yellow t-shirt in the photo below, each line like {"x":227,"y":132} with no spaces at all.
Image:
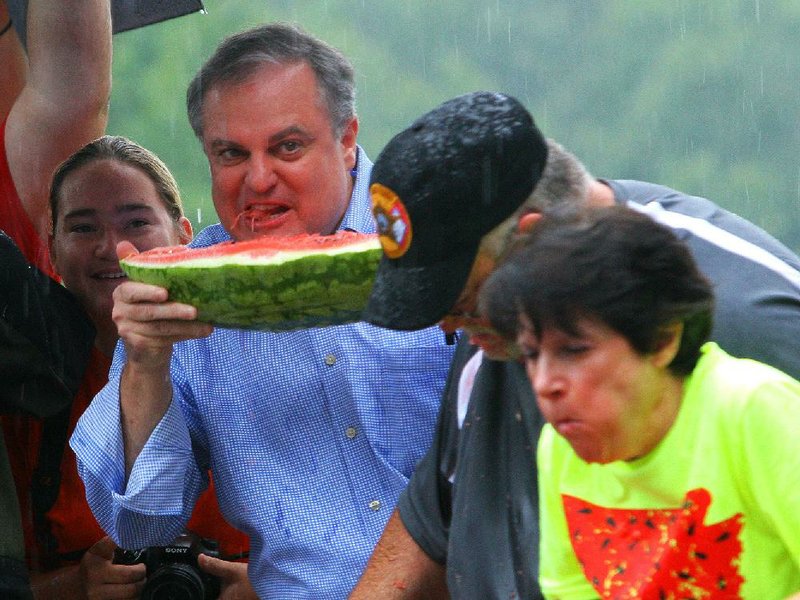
{"x":712,"y":512}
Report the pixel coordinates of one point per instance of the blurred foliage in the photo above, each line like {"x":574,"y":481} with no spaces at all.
{"x":700,"y":95}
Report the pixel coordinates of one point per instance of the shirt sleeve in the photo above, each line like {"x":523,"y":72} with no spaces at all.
{"x":157,"y":500}
{"x":766,"y":438}
{"x":425,"y":506}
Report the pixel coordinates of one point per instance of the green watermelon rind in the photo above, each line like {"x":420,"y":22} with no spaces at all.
{"x":294,"y":292}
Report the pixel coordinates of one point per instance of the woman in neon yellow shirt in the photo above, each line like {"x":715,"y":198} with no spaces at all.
{"x":668,"y":469}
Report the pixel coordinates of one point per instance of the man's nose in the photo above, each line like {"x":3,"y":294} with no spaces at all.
{"x":260,"y":173}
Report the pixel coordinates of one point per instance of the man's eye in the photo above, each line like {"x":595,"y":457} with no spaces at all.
{"x":138,"y":223}
{"x":81,"y":229}
{"x":230,"y":154}
{"x":289,"y":147}
{"x":529,"y":353}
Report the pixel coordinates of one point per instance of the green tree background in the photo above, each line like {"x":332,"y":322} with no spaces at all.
{"x":700,"y":95}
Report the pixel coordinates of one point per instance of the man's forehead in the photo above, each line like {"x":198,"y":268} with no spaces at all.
{"x":271,"y":106}
{"x":267,"y":75}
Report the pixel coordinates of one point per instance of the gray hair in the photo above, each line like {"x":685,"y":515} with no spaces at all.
{"x":563,"y":187}
{"x":240,"y":55}
{"x":565,"y":182}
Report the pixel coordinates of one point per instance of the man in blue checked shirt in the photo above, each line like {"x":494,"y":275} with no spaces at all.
{"x":311,"y":435}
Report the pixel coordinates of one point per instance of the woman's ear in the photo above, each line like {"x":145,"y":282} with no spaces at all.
{"x":668,"y":343}
{"x":185,"y":233}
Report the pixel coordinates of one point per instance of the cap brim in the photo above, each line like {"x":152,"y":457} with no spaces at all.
{"x":409,"y":298}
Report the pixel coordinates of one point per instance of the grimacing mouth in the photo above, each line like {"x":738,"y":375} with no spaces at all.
{"x":255,"y":213}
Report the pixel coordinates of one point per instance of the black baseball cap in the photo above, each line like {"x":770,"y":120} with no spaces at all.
{"x":437,"y":188}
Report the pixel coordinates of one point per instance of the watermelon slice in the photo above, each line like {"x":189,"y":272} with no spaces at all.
{"x":668,"y":554}
{"x":269,"y":283}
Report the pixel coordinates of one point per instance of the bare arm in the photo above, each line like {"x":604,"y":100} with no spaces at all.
{"x":64,"y":103}
{"x":15,"y":64}
{"x":149,"y":325}
{"x":399,"y":568}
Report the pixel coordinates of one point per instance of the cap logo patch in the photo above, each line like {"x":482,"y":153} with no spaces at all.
{"x":391,"y":217}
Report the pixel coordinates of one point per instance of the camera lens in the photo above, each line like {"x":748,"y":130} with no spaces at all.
{"x":174,"y":582}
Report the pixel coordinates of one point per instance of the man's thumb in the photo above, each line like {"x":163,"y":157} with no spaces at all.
{"x":126,"y":249}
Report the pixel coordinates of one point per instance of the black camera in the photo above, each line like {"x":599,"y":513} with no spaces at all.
{"x":172,"y":571}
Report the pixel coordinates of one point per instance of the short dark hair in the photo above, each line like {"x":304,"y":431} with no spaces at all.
{"x":613,"y":264}
{"x":120,"y":149}
{"x":238,"y":56}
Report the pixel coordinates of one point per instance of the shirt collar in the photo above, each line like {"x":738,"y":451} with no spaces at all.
{"x":359,"y":213}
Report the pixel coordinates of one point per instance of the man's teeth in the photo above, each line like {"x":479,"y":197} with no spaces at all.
{"x":111,"y":276}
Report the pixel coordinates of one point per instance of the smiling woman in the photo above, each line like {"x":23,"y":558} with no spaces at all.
{"x":110,"y":190}
{"x":657,"y":473}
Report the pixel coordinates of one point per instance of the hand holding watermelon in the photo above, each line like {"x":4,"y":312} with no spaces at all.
{"x":148,"y":322}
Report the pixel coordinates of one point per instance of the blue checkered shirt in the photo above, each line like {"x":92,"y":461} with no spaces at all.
{"x":311,"y":436}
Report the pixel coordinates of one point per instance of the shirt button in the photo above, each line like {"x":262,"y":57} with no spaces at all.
{"x":330,"y":360}
{"x":350,"y":432}
{"x":375,"y":505}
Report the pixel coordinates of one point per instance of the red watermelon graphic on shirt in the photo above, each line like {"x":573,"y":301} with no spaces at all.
{"x":657,"y":553}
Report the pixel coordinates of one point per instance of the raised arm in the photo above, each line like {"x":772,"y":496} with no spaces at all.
{"x":12,"y":57}
{"x":399,"y":568}
{"x":64,"y":103}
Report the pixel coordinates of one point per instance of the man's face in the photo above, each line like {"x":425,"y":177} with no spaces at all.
{"x":464,"y":315}
{"x":276,"y":168}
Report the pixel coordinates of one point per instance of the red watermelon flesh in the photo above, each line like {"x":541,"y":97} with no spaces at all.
{"x":269,"y":283}
{"x":660,"y":554}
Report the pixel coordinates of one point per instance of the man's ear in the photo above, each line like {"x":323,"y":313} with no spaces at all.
{"x":527,"y":222}
{"x":348,"y":142}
